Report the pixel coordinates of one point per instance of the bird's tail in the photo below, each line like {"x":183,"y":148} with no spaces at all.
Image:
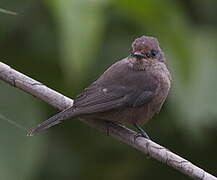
{"x":56,"y":119}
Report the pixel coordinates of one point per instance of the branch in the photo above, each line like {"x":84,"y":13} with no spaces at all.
{"x":119,"y":132}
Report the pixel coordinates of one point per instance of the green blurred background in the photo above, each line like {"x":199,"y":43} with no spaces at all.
{"x":66,"y":44}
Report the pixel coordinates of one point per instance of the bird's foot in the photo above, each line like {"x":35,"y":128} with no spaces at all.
{"x":141,"y":133}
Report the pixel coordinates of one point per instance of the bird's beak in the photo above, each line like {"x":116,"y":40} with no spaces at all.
{"x":138,"y":55}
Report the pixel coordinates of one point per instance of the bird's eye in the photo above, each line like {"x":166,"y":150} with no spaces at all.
{"x":153,"y":53}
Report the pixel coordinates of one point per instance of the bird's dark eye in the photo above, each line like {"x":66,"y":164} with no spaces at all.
{"x":153,"y":53}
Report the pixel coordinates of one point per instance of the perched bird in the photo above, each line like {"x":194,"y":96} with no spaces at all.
{"x":130,"y":91}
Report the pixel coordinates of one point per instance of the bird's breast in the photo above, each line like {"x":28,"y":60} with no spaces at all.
{"x":161,"y":73}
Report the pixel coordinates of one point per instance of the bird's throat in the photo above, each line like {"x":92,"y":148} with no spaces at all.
{"x":139,"y":64}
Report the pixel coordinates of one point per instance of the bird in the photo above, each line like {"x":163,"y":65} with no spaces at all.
{"x":130,"y":91}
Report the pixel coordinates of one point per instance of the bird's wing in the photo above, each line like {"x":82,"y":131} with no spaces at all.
{"x":103,"y":98}
{"x":98,"y":99}
{"x":91,"y":100}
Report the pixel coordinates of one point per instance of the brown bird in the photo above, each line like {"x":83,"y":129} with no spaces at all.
{"x":130,"y":91}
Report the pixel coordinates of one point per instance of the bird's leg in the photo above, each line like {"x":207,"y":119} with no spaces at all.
{"x":108,"y":123}
{"x":107,"y":128}
{"x":142,"y":132}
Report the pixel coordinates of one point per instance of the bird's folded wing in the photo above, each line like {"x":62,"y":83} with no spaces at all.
{"x":98,"y":99}
{"x":101,"y":99}
{"x":86,"y":103}
{"x":104,"y":99}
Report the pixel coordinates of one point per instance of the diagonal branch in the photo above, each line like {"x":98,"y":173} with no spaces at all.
{"x":121,"y":133}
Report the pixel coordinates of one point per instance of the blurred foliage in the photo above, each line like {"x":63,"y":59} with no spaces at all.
{"x":66,"y":44}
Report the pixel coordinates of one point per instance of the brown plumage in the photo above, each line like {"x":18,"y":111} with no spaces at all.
{"x":131,"y":91}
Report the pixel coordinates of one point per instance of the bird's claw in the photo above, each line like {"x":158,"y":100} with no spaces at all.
{"x":141,"y":135}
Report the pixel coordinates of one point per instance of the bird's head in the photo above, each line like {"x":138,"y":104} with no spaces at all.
{"x":147,"y":49}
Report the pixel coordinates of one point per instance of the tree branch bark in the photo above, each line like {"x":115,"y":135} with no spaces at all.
{"x":119,"y":132}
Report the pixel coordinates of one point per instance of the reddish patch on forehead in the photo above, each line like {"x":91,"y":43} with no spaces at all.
{"x":145,"y":44}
